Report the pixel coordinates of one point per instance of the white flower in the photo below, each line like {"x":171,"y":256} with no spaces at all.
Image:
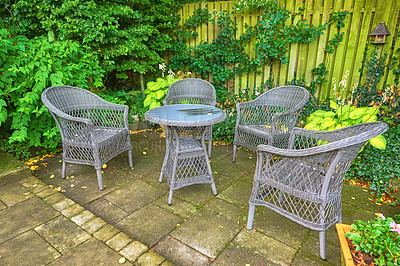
{"x":257,"y":93}
{"x":161,"y":66}
{"x":243,"y":91}
{"x":171,"y":73}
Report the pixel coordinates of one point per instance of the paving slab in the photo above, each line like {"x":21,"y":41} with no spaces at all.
{"x":108,"y":211}
{"x":91,"y":252}
{"x":150,"y":259}
{"x":11,"y":170}
{"x":302,"y":259}
{"x":133,"y":196}
{"x":27,"y":248}
{"x":359,"y":197}
{"x":14,"y":193}
{"x":236,"y":255}
{"x":197,"y":195}
{"x":238,"y":193}
{"x":207,"y":232}
{"x":179,"y":253}
{"x":279,"y":227}
{"x":277,"y":252}
{"x":24,"y":216}
{"x":311,"y":248}
{"x":149,"y":225}
{"x":228,"y":210}
{"x":62,"y":234}
{"x":180,"y":207}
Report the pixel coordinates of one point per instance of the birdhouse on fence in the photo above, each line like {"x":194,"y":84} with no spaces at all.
{"x":379,"y":34}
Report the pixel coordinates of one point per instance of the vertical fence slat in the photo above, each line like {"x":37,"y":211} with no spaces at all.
{"x":364,"y":34}
{"x":365,"y":15}
{"x":390,"y":77}
{"x":341,"y":53}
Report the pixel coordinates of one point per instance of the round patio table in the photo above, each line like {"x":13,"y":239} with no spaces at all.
{"x":186,"y":161}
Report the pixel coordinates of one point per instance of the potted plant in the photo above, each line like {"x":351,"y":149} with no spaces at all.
{"x":375,"y":242}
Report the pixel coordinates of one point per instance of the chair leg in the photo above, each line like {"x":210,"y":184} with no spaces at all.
{"x":130,"y":158}
{"x":250,"y":218}
{"x":63,"y":169}
{"x":234,"y":153}
{"x":100,"y":179}
{"x":322,"y":250}
{"x":340,"y":218}
{"x":171,"y":192}
{"x":214,"y":189}
{"x":209,"y":147}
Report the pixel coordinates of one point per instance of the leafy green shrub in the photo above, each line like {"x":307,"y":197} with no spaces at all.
{"x":157,"y":90}
{"x":379,"y":237}
{"x":377,"y":168}
{"x":343,"y":116}
{"x":27,"y":67}
{"x":128,"y":37}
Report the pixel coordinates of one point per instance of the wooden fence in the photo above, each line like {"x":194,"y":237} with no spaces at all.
{"x":364,"y":16}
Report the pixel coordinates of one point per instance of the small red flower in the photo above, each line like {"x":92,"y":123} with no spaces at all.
{"x":304,"y":19}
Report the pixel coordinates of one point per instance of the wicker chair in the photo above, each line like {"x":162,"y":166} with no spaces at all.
{"x":304,"y":182}
{"x":193,"y":91}
{"x":93,"y":131}
{"x":270,"y":118}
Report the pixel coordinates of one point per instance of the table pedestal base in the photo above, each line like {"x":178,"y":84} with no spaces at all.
{"x":186,"y":165}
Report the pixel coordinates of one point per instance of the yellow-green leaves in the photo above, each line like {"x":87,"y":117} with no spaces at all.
{"x":345,"y":115}
{"x":378,"y":142}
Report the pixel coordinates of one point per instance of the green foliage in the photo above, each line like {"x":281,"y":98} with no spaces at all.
{"x":128,"y":36}
{"x":344,"y":116}
{"x":377,"y":237}
{"x":157,"y":90}
{"x":378,"y":168}
{"x":27,"y":67}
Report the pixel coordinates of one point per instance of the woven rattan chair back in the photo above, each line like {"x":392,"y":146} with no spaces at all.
{"x":193,"y":91}
{"x":304,"y":182}
{"x":93,"y":131}
{"x":270,"y":118}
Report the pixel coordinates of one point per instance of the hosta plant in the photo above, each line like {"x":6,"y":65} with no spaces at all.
{"x":156,"y":91}
{"x":379,"y":237}
{"x":343,"y":116}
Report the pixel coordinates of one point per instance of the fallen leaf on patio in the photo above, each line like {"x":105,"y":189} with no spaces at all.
{"x":220,"y":226}
{"x":72,"y":185}
{"x":35,"y":185}
{"x":211,"y":259}
{"x":58,"y":188}
{"x":83,"y":187}
{"x":35,"y":167}
{"x":121,"y":260}
{"x":178,"y":225}
{"x":67,"y":177}
{"x":144,"y":153}
{"x":60,"y":161}
{"x":353,"y":198}
{"x":247,"y":264}
{"x":72,"y":176}
{"x":52,"y":176}
{"x":215,"y":172}
{"x":26,"y":193}
{"x":51,"y":186}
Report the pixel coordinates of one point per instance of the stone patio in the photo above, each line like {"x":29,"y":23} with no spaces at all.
{"x":130,"y":221}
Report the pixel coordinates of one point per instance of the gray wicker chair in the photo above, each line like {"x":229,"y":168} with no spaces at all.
{"x":193,"y":91}
{"x":270,"y":118}
{"x":304,"y":182}
{"x":93,"y":131}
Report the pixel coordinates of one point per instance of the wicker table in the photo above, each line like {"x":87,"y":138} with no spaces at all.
{"x":186,"y":161}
